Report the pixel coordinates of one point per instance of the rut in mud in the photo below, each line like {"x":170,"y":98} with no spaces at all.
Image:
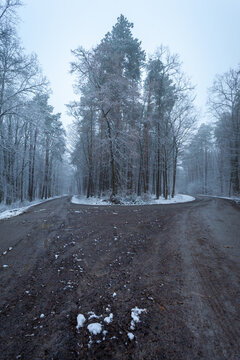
{"x":176,"y":265}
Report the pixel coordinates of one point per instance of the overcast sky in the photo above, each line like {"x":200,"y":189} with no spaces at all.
{"x":205,"y":33}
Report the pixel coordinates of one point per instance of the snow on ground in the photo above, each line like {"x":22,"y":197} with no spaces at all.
{"x":130,"y":335}
{"x":90,"y":201}
{"x":7,"y":212}
{"x":6,"y":251}
{"x":109,"y":318}
{"x":80,"y":320}
{"x":234,"y":198}
{"x":135,"y":312}
{"x":95,"y":328}
{"x":92,"y":315}
{"x":179,"y":198}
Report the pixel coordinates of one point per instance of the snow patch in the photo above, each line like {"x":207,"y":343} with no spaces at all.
{"x":233,"y":198}
{"x":179,"y":198}
{"x":135,"y":312}
{"x":92,"y":315}
{"x":80,"y":320}
{"x":88,"y":201}
{"x":130,"y":335}
{"x":109,"y":318}
{"x":95,"y":328}
{"x":20,"y":210}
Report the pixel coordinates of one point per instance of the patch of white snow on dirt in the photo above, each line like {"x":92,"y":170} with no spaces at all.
{"x":135,"y":312}
{"x":179,"y":198}
{"x":232,"y":198}
{"x":80,"y":320}
{"x":10,"y":212}
{"x":81,"y":200}
{"x":130,"y":335}
{"x":150,"y":200}
{"x":95,"y":328}
{"x":92,"y":315}
{"x":14,"y":212}
{"x":109,"y":319}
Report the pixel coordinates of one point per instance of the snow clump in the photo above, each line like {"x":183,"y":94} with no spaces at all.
{"x":80,"y":320}
{"x":95,"y":328}
{"x":135,"y":312}
{"x":130,"y":335}
{"x":109,"y":318}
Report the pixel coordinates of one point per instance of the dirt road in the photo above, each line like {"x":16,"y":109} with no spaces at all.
{"x":179,"y":264}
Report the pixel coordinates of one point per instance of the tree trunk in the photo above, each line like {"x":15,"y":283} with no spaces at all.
{"x":112,"y":161}
{"x":174,"y":171}
{"x":46,"y":170}
{"x":33,"y":164}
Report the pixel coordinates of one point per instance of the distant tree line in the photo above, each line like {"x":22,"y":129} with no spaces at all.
{"x":32,"y":140}
{"x":212,"y":159}
{"x":133,"y":117}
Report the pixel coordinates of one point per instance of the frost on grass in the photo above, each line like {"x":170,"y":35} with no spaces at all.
{"x":95,"y":328}
{"x":80,"y":320}
{"x":135,"y":312}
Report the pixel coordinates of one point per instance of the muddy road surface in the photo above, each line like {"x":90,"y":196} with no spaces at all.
{"x":148,"y":282}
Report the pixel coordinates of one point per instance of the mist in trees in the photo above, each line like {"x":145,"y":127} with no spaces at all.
{"x":135,"y":128}
{"x":211,"y":161}
{"x":133,"y":117}
{"x":32,"y":139}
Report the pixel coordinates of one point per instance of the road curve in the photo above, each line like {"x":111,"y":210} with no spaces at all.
{"x":178,"y":262}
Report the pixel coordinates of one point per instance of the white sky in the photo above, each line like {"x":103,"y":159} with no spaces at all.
{"x":205,"y":33}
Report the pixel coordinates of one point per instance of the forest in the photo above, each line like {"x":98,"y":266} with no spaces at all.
{"x":136,"y":126}
{"x":32,"y":138}
{"x":135,"y":132}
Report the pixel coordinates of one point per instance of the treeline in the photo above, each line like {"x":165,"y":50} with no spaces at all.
{"x":133,"y":117}
{"x":212,"y":159}
{"x":32,"y":140}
